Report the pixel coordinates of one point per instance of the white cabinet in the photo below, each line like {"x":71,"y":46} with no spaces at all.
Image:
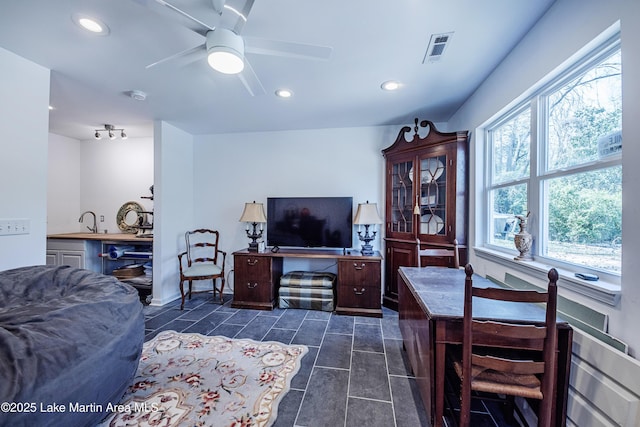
{"x":52,"y":257}
{"x":74,"y":253}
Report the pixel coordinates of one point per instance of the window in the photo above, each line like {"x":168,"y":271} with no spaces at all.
{"x":510,"y":160}
{"x":558,"y":156}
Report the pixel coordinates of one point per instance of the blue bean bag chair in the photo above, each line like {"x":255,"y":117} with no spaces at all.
{"x":70,"y":340}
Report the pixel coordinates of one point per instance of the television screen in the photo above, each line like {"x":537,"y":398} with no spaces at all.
{"x":310,"y":222}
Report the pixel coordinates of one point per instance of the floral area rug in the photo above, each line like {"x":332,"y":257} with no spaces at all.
{"x":196,"y":380}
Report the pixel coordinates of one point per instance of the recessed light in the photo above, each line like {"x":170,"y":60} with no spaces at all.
{"x":284,"y":93}
{"x":390,"y":85}
{"x":88,"y":23}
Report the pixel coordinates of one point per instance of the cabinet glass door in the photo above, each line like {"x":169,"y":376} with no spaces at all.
{"x":402,"y":197}
{"x":433,"y":195}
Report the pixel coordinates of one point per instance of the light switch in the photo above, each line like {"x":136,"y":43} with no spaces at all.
{"x":12,"y":226}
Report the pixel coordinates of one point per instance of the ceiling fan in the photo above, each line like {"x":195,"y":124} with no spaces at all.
{"x":225,"y":48}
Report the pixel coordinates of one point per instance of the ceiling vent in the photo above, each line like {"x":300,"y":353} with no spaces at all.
{"x":437,"y":46}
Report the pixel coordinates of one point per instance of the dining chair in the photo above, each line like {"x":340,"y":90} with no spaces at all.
{"x":508,"y":358}
{"x":202,"y":260}
{"x":438,"y":254}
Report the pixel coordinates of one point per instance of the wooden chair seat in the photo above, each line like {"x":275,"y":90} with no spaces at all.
{"x":492,"y":381}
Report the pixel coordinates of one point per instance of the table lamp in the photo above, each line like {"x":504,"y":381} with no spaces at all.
{"x":253,"y":214}
{"x":367,"y":215}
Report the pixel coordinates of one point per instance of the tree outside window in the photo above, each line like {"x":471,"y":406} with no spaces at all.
{"x":576,"y":191}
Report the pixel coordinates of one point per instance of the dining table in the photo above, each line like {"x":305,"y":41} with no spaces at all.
{"x":430,"y":308}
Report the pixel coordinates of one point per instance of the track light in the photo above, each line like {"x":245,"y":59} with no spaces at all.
{"x":110,"y":132}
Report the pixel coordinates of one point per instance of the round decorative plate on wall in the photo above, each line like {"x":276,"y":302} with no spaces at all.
{"x":128,"y":217}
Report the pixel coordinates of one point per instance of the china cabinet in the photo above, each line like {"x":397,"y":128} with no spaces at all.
{"x":426,"y":197}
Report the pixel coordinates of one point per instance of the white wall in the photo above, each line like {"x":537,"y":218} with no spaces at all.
{"x":174,"y":206}
{"x":233,"y":169}
{"x":99,"y":176}
{"x":568,"y":27}
{"x":24,"y":123}
{"x":112,"y":174}
{"x":63,"y":185}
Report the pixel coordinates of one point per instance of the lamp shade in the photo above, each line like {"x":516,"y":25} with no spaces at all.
{"x":367,"y":213}
{"x":253,"y":212}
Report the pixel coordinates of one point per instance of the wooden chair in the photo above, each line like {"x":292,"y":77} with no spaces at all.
{"x":508,"y":358}
{"x":202,"y":260}
{"x":439,"y":251}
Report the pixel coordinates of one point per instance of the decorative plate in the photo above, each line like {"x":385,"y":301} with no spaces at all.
{"x":431,"y":224}
{"x":432,"y":169}
{"x":429,"y":200}
{"x":121,"y":217}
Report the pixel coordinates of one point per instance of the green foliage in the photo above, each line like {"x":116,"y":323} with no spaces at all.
{"x":511,"y":200}
{"x":588,"y":213}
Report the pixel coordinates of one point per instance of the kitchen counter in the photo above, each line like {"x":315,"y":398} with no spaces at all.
{"x":111,"y":237}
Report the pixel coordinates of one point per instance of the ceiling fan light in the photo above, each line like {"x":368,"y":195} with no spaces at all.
{"x":226,"y":62}
{"x":225,"y":51}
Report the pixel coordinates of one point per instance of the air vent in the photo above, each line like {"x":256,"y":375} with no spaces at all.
{"x":437,"y":46}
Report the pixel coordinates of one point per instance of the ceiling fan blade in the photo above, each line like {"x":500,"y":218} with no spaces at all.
{"x":235,"y":13}
{"x":186,"y":56}
{"x":261,"y":46}
{"x":250,"y":80}
{"x":218,"y":5}
{"x":200,"y":28}
{"x":244,"y":14}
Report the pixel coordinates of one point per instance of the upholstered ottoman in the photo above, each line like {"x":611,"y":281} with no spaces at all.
{"x":310,"y":290}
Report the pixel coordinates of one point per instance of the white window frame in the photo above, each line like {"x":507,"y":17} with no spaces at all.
{"x":607,"y":289}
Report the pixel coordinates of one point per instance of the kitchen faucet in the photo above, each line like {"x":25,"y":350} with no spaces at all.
{"x":93,"y":229}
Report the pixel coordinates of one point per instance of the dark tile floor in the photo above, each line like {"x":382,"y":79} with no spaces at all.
{"x":355,"y":373}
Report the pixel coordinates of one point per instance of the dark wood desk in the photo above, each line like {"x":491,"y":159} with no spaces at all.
{"x":257,"y":277}
{"x":430,"y":303}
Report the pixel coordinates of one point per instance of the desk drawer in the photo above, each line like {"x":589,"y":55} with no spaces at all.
{"x":360,"y":273}
{"x":358,"y":296}
{"x":359,"y":288}
{"x":255,"y":281}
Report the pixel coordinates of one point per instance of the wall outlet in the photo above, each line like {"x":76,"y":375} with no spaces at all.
{"x":101,"y":218}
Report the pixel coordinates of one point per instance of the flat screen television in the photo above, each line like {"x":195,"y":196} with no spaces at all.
{"x":310,"y":222}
